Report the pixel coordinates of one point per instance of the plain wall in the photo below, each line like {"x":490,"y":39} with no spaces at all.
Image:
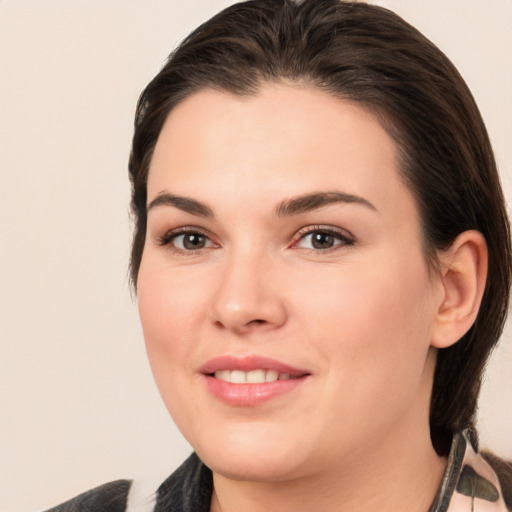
{"x":78,"y":406}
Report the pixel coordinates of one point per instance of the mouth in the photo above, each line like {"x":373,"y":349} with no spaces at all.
{"x":258,"y":376}
{"x":250,"y":381}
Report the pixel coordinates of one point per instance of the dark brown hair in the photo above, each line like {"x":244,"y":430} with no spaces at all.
{"x":369,"y":55}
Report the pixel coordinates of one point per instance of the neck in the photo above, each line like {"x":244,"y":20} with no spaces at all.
{"x":401,"y":473}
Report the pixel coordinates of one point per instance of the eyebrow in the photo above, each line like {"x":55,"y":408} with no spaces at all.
{"x":309,"y":202}
{"x":288,"y":207}
{"x":185,"y":204}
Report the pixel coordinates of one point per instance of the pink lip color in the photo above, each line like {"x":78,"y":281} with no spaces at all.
{"x":249,"y":363}
{"x":250,"y":395}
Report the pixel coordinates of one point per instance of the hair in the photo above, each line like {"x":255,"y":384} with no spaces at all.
{"x":368,"y":55}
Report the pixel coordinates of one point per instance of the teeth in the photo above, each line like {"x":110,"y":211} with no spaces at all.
{"x":223,"y":375}
{"x":271,"y":375}
{"x":238,"y":377}
{"x":252,"y":377}
{"x":255,"y":376}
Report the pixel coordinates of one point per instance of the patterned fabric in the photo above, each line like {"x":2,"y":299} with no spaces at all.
{"x":469,"y":485}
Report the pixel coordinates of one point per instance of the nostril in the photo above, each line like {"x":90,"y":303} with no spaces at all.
{"x":219,"y":324}
{"x":243,"y":328}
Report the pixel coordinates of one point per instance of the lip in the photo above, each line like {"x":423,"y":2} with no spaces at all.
{"x":250,"y":395}
{"x":249,"y":363}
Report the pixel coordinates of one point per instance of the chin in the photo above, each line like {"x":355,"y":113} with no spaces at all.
{"x":251,"y":452}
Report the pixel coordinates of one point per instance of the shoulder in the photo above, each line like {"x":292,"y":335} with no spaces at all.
{"x":188,"y":489}
{"x":110,"y":497}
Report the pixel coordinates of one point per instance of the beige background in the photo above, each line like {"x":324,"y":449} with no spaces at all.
{"x":77,"y":402}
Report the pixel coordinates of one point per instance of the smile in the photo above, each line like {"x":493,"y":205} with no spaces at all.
{"x":253,"y":377}
{"x":250,"y":381}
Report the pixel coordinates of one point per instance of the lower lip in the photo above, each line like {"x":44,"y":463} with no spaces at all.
{"x":250,"y":395}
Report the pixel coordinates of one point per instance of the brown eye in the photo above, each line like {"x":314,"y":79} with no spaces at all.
{"x":190,"y":241}
{"x":321,"y":240}
{"x":194,"y":241}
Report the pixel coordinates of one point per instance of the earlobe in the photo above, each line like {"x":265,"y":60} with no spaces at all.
{"x":463,"y":278}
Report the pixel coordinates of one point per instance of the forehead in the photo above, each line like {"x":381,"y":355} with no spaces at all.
{"x":286,"y":140}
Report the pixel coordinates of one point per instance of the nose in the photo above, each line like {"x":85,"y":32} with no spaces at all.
{"x":248,"y":297}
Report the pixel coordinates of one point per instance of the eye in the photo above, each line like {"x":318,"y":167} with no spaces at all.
{"x":322,"y":239}
{"x":186,"y":240}
{"x":190,"y":241}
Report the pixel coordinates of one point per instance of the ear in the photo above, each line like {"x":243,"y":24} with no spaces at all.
{"x":462,"y":280}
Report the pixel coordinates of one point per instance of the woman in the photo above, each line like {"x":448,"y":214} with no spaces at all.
{"x":322,"y":264}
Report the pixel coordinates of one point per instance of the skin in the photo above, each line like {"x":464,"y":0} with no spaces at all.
{"x":363,"y":317}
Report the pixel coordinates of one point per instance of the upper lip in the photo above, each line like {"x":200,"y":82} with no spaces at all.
{"x":249,"y":363}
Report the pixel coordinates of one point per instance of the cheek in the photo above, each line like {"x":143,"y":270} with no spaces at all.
{"x":373,"y":325}
{"x":360,"y":300}
{"x":169,"y":310}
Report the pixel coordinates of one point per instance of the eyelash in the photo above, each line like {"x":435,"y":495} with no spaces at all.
{"x":345,"y":239}
{"x":168,"y":238}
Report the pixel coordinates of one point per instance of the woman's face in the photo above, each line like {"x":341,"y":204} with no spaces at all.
{"x":283,"y":244}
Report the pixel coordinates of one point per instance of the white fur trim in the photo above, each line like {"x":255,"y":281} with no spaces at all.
{"x":142,"y":496}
